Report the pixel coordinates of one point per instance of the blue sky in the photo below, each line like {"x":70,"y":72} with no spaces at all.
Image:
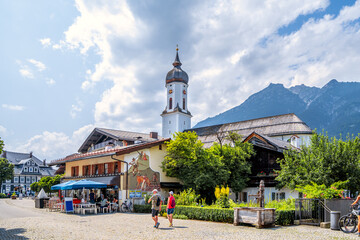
{"x":69,"y":66}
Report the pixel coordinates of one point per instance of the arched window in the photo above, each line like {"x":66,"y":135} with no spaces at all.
{"x":184,"y":103}
{"x":170,"y":103}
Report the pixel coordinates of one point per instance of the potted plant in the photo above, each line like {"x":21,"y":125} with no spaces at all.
{"x":13,"y":195}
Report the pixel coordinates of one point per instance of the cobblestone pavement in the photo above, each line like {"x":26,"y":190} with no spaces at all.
{"x":55,"y":225}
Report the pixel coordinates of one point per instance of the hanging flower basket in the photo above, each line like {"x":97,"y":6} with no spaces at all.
{"x":262,"y":173}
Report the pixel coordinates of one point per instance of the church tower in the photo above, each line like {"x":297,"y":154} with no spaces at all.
{"x":176,"y":116}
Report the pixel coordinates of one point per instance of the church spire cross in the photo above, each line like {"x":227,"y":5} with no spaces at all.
{"x":177,"y":59}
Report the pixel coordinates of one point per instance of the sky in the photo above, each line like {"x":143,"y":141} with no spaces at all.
{"x":67,"y":67}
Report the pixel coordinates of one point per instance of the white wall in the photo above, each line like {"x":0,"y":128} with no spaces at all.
{"x":268,"y":193}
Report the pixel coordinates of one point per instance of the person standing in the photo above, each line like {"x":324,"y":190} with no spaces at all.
{"x":170,"y":208}
{"x":155,"y":207}
{"x":354,"y":203}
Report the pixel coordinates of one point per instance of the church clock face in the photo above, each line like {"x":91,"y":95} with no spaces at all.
{"x":184,"y":92}
{"x":170,"y":91}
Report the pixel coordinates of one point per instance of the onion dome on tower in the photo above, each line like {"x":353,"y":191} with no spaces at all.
{"x":177,"y":74}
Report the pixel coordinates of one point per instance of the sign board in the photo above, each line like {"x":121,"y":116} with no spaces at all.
{"x":69,"y":207}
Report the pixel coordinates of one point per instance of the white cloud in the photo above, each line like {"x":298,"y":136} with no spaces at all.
{"x":26,"y":72}
{"x":46,"y":42}
{"x":55,"y":145}
{"x":76,"y":108}
{"x":13,"y":107}
{"x":39,"y":65}
{"x":231,"y":50}
{"x":50,"y":81}
{"x":2,"y":130}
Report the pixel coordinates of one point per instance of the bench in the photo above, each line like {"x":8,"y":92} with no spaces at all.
{"x":84,"y":210}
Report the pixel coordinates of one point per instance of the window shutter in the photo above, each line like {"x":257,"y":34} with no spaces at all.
{"x":83,"y":170}
{"x":111,"y":167}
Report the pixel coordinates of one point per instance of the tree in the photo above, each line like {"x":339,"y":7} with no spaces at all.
{"x":203,"y":169}
{"x":46,"y":183}
{"x":6,"y":168}
{"x":234,"y":156}
{"x":197,"y":167}
{"x":326,"y":161}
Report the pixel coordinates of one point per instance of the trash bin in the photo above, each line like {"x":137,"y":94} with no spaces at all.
{"x":334,"y":220}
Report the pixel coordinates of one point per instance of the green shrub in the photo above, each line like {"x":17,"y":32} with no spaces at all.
{"x":207,"y":214}
{"x":314,"y":190}
{"x":288,"y":204}
{"x":3,"y":195}
{"x":142,"y":208}
{"x":284,"y":217}
{"x":186,"y":197}
{"x":179,"y":216}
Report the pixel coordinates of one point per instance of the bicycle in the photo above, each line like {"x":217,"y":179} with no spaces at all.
{"x":349,"y":222}
{"x":125,"y":207}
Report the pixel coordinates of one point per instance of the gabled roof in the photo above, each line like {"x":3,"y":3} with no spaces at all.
{"x":17,"y":158}
{"x":99,"y":133}
{"x":114,"y":151}
{"x":267,"y":142}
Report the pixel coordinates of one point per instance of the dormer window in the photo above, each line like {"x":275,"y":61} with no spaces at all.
{"x":35,"y":169}
{"x":30,"y":169}
{"x":28,"y":163}
{"x":32,"y":163}
{"x":25,"y":169}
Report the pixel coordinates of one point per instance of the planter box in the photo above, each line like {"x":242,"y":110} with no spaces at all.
{"x":13,"y":197}
{"x":259,"y":217}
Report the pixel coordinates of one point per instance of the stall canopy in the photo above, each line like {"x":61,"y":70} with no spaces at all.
{"x":84,"y":183}
{"x":61,"y":185}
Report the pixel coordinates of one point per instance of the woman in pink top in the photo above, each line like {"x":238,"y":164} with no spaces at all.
{"x":170,"y":208}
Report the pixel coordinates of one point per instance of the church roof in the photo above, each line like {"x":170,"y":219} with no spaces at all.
{"x":177,"y":74}
{"x":287,"y":124}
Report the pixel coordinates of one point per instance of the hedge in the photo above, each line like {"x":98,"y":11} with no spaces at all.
{"x":282,"y":217}
{"x":142,"y":208}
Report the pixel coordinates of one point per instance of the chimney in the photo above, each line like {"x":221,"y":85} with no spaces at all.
{"x":31,"y":154}
{"x":154,"y":135}
{"x":44,"y":162}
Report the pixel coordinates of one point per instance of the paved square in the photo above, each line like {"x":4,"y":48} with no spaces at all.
{"x":20,"y":220}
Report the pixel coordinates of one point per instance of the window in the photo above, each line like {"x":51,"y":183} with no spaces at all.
{"x":160,"y":147}
{"x":8,"y":181}
{"x":106,"y":168}
{"x":169,"y":122}
{"x":184,"y":123}
{"x":170,"y":103}
{"x":28,"y":163}
{"x":96,"y":169}
{"x":278,"y":196}
{"x":33,"y":179}
{"x":32,"y":163}
{"x":74,"y":171}
{"x":86,"y":171}
{"x":27,"y":179}
{"x":25,"y":169}
{"x":184,"y":103}
{"x":35,"y":169}
{"x":16,"y":179}
{"x":116,"y":168}
{"x":7,"y":188}
{"x":30,"y":169}
{"x":22,"y":179}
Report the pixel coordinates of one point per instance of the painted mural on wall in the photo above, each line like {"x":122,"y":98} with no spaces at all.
{"x":141,"y":176}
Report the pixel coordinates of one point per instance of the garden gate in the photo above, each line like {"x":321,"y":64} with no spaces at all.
{"x":309,"y":211}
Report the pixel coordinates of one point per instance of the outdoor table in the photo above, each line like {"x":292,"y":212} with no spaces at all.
{"x":112,"y":206}
{"x":83,"y":206}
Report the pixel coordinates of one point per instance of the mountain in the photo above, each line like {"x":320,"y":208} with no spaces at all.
{"x":335,"y":107}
